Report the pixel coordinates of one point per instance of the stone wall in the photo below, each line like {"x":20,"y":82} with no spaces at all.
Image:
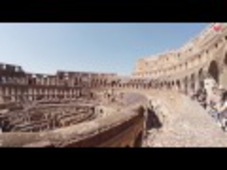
{"x":186,"y":68}
{"x":123,"y":129}
{"x":17,"y":85}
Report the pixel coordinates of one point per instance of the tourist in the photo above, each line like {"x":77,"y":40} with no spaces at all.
{"x":201,"y":97}
{"x":222,"y":111}
{"x":223,"y":106}
{"x":215,"y":101}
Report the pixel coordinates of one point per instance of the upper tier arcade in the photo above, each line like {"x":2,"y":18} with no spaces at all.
{"x":185,"y":69}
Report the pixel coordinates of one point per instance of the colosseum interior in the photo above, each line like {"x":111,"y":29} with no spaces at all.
{"x":151,"y":108}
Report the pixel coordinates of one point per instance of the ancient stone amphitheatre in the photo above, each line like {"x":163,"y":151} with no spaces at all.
{"x":150,"y":108}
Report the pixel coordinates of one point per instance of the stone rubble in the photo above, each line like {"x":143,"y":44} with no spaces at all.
{"x":188,"y":125}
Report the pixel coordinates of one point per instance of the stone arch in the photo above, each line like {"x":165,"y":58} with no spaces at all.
{"x":200,"y":78}
{"x":186,"y":85}
{"x":213,"y":71}
{"x":199,"y":58}
{"x":30,"y":81}
{"x":192,"y":88}
{"x":186,"y":66}
{"x":178,"y":85}
{"x":173,"y":84}
{"x":223,"y":75}
{"x":161,"y":84}
{"x":113,"y":83}
{"x":180,"y":67}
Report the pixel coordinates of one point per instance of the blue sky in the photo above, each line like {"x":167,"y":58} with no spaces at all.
{"x":97,"y":47}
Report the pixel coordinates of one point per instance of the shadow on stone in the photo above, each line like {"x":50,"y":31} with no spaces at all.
{"x":152,"y":120}
{"x":139,"y":140}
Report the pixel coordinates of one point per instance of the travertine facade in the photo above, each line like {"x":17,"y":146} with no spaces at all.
{"x":186,"y":68}
{"x":81,"y":109}
{"x":18,"y":85}
{"x":37,"y":109}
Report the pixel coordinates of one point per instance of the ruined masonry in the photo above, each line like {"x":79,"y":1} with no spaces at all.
{"x":150,"y":108}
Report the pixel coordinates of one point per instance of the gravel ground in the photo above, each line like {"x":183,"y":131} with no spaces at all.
{"x":187,"y":124}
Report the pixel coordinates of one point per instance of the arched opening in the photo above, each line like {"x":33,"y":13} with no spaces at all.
{"x":165,"y":84}
{"x":30,"y":81}
{"x":186,"y":66}
{"x":201,"y":78}
{"x":213,"y":71}
{"x":161,"y":84}
{"x":192,"y":82}
{"x":173,"y":85}
{"x":178,"y":85}
{"x":152,"y":120}
{"x":186,"y":85}
{"x":113,"y":83}
{"x":91,"y":95}
{"x":223,"y":75}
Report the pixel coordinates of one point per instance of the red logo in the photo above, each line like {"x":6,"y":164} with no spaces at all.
{"x":217,"y":27}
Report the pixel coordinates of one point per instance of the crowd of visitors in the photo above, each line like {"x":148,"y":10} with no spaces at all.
{"x":215,"y":103}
